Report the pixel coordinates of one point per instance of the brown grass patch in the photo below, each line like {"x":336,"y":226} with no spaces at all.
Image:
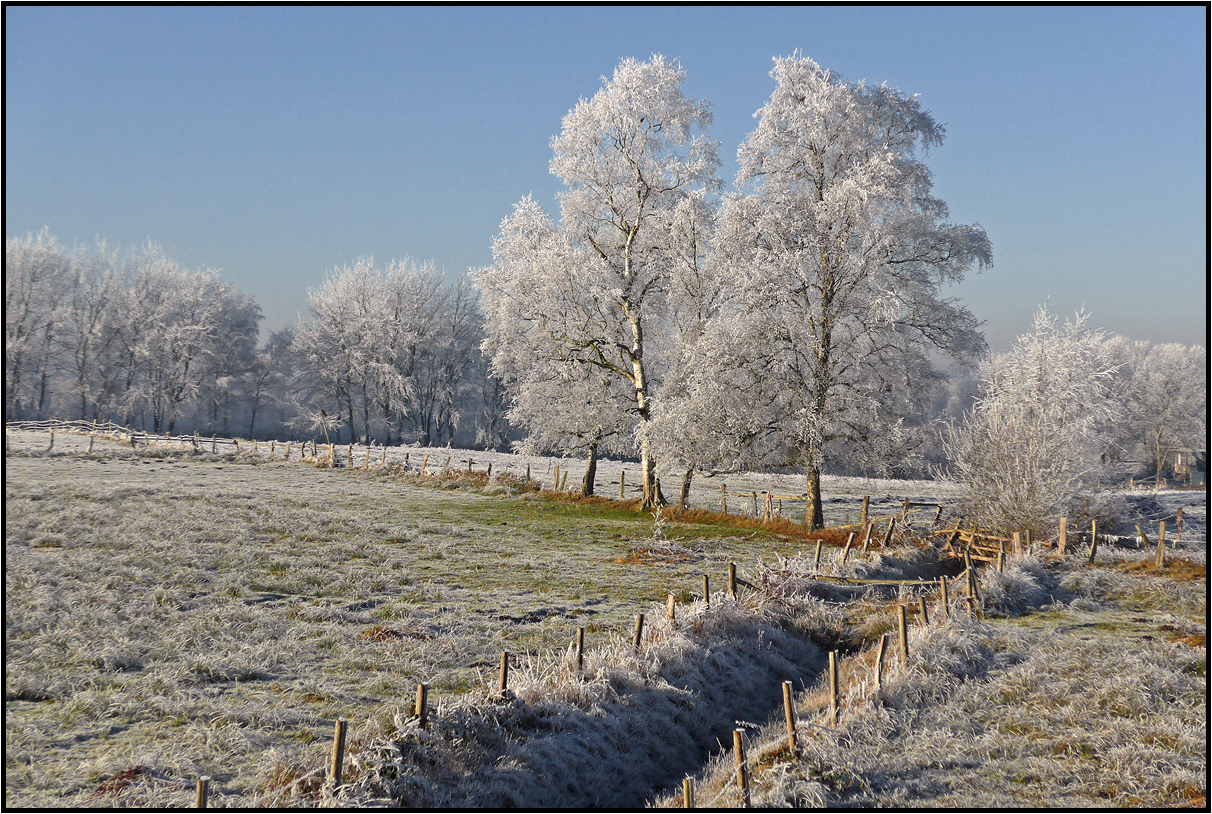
{"x":110,"y":787}
{"x":382,"y":633}
{"x":654,"y":556}
{"x":1198,"y":640}
{"x":790,"y":529}
{"x":1179,"y":569}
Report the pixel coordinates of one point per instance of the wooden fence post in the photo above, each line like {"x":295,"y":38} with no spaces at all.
{"x":888,"y":536}
{"x":202,"y":791}
{"x":789,"y":712}
{"x":336,"y":762}
{"x":732,"y":580}
{"x":971,"y":572}
{"x":942,"y":589}
{"x":639,"y":632}
{"x":817,"y":562}
{"x":422,"y":702}
{"x":1062,"y":535}
{"x":1016,"y":542}
{"x":835,"y":704}
{"x":921,"y":600}
{"x":687,"y":792}
{"x":742,"y":768}
{"x":879,"y":661}
{"x":669,"y":609}
{"x":902,"y":632}
{"x":580,"y":649}
{"x":1160,"y":562}
{"x":755,"y":514}
{"x":1093,"y":540}
{"x":846,"y":550}
{"x":622,"y":484}
{"x":706,"y":592}
{"x":866,"y":536}
{"x":503,"y":684}
{"x":866,"y":502}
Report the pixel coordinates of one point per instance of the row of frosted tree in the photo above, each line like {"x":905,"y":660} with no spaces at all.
{"x":794,"y":323}
{"x":388,"y":354}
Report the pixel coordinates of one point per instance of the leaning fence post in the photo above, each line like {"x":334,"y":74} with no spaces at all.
{"x":846,"y":550}
{"x":879,"y":661}
{"x":639,"y":632}
{"x":817,"y":561}
{"x":202,"y":791}
{"x":742,"y":768}
{"x":888,"y":536}
{"x":1093,"y":540}
{"x":921,"y":600}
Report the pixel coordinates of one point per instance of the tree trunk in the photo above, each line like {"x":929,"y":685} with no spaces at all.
{"x":591,"y":471}
{"x":814,"y":517}
{"x":684,"y":496}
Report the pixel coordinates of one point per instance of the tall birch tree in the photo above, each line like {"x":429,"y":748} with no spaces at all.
{"x":840,"y":253}
{"x":628,"y":157}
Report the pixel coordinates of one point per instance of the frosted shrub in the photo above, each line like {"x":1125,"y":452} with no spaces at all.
{"x":1029,"y":451}
{"x":1015,"y":590}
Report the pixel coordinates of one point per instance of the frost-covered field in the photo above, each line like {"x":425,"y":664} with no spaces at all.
{"x":170,"y":614}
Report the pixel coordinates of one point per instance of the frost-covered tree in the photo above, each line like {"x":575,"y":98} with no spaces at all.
{"x":839,"y":253}
{"x":36,"y":284}
{"x":191,"y":322}
{"x":89,"y":340}
{"x":388,"y":349}
{"x":1032,"y":445}
{"x":589,"y":291}
{"x":1167,"y":404}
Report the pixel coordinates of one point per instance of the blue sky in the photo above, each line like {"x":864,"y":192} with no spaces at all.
{"x":275,"y":143}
